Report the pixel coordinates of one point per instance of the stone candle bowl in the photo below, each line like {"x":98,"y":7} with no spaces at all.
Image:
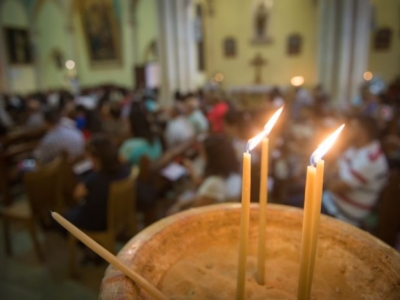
{"x":193,"y":255}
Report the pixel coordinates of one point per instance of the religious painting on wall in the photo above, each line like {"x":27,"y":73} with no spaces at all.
{"x":383,"y":39}
{"x":230,"y":47}
{"x":18,"y":45}
{"x":101,"y":31}
{"x":294,"y":44}
{"x":261,"y":19}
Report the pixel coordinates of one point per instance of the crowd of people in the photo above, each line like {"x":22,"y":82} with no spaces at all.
{"x":116,"y":128}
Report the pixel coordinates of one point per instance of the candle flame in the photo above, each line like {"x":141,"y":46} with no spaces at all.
{"x":324,"y":147}
{"x":271,"y":123}
{"x":253,"y":142}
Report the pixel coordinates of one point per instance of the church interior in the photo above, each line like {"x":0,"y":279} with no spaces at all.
{"x":117,"y":114}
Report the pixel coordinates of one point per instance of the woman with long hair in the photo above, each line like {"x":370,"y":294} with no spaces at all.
{"x":220,"y":182}
{"x":143,"y":141}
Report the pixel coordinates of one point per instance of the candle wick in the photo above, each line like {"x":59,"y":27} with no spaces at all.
{"x":312,"y":161}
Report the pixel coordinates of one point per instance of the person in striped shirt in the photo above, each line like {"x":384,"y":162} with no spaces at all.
{"x":353,"y":191}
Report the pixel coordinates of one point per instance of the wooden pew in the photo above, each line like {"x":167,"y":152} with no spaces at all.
{"x":150,"y":173}
{"x":14,"y":147}
{"x":20,"y":135}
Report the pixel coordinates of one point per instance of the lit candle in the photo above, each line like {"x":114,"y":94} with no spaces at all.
{"x":245,"y":215}
{"x":264,"y":196}
{"x":312,"y":210}
{"x":245,"y":211}
{"x":262,"y":210}
{"x":305,"y":243}
{"x":244,"y":226}
{"x":113,"y":260}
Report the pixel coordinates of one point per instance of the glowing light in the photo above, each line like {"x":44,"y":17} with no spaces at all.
{"x":219,"y":77}
{"x":253,"y":142}
{"x":297,"y":80}
{"x":368,"y":75}
{"x":324,"y":147}
{"x":70,"y":64}
{"x":271,"y":123}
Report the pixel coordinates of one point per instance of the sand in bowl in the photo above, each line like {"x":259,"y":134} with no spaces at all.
{"x":194,"y":256}
{"x":210,"y":273}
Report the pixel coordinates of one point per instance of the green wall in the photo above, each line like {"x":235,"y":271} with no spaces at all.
{"x":50,"y":39}
{"x":386,"y":63}
{"x":234,"y":18}
{"x":118,"y":73}
{"x":288,"y":16}
{"x":52,"y":27}
{"x":148,"y":26}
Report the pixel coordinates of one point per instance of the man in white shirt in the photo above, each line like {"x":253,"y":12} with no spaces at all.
{"x":362,"y":169}
{"x":179,"y":129}
{"x":61,"y":136}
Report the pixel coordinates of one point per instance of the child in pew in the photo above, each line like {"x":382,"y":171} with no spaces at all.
{"x":220,"y":182}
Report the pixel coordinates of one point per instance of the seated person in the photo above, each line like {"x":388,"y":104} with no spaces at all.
{"x":353,"y":191}
{"x":217,"y":112}
{"x":195,"y":115}
{"x":35,"y":115}
{"x":236,"y":126}
{"x":91,"y":214}
{"x":179,"y":129}
{"x":142,"y":143}
{"x":113,"y":125}
{"x":221,"y":179}
{"x":61,"y":137}
{"x":80,"y":117}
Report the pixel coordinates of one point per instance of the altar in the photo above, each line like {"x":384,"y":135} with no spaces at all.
{"x":254,"y":96}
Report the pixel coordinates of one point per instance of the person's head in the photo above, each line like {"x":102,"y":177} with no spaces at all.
{"x":177,"y":96}
{"x":115,"y":111}
{"x":51,"y":118}
{"x":103,"y":154}
{"x":237,"y":124}
{"x":220,"y":156}
{"x":34,"y":105}
{"x":104,"y":109}
{"x":192,"y":103}
{"x":140,"y":124}
{"x":275,"y":92}
{"x":174,"y":112}
{"x":80,"y":111}
{"x":362,"y":130}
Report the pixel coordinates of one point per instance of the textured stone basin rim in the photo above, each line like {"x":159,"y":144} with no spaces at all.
{"x":193,"y":255}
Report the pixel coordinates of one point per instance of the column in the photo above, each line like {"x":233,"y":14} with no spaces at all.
{"x":362,"y":29}
{"x":343,"y":47}
{"x":177,"y":47}
{"x":168,"y":65}
{"x":191,"y":45}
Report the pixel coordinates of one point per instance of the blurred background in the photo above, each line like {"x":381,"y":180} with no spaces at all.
{"x":186,"y":45}
{"x":163,"y":95}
